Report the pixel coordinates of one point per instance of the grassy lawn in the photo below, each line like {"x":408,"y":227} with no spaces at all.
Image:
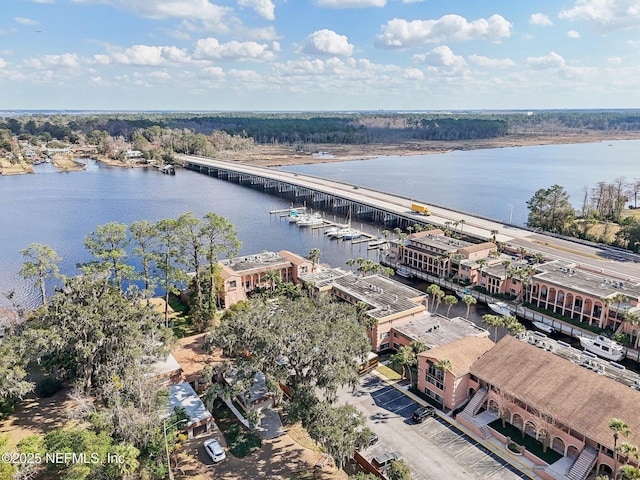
{"x":388,"y":372}
{"x":240,"y":441}
{"x":181,"y":321}
{"x":530,"y":443}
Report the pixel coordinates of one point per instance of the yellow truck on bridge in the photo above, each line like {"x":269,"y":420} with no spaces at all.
{"x":421,"y":209}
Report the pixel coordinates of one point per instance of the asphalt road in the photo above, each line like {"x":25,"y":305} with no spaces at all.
{"x":432,"y":449}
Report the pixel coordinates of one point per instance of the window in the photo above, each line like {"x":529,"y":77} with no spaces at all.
{"x":384,"y":346}
{"x":232,"y":285}
{"x":384,"y":335}
{"x":303,"y":269}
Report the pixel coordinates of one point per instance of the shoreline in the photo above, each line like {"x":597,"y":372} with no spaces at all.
{"x":285,"y":155}
{"x":281,"y":155}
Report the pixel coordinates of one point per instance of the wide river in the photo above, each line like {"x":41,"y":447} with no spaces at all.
{"x":60,"y":209}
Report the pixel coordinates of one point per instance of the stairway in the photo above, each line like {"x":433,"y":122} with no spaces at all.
{"x":476,"y":402}
{"x":583,"y":464}
{"x":486,"y":431}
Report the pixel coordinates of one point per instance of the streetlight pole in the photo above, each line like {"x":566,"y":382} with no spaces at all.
{"x":166,"y":443}
{"x":510,"y":212}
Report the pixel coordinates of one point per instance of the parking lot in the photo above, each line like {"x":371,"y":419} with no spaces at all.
{"x":433,"y":449}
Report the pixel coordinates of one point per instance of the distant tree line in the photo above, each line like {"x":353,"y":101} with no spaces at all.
{"x":191,"y":132}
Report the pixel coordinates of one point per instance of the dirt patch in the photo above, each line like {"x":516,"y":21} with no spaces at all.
{"x":37,"y":416}
{"x":18,"y":168}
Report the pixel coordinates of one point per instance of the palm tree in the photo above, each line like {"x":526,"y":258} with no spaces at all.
{"x":443,"y":365}
{"x":629,"y":472}
{"x":513,"y":325}
{"x":629,"y":322}
{"x":314,"y":256}
{"x":449,"y":301}
{"x":469,"y":300}
{"x":419,"y":346}
{"x":494,"y":321}
{"x":606,"y":302}
{"x":406,"y":358}
{"x":432,"y":290}
{"x":439,"y":296}
{"x":272,"y":277}
{"x":462,"y":222}
{"x":618,"y":427}
{"x":493,"y":237}
{"x":628,"y":451}
{"x":618,"y":299}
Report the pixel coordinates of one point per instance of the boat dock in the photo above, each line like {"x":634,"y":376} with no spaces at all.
{"x":585,"y":359}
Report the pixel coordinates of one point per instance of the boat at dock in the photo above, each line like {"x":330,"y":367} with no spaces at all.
{"x":403,"y":272}
{"x":501,"y":308}
{"x":544,"y":327}
{"x":603,"y":347}
{"x":348,"y":233}
{"x":314,"y":220}
{"x":331,"y":231}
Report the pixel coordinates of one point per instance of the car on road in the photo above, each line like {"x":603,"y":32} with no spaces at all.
{"x":215,"y":450}
{"x":421,"y":414}
{"x":383,"y":461}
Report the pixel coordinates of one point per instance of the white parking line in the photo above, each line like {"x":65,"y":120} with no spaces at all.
{"x":383,"y":391}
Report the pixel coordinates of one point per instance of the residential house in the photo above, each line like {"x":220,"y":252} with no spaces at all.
{"x":451,"y":386}
{"x":245,"y":273}
{"x":549,"y":398}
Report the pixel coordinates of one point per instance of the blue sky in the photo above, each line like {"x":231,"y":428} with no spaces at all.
{"x":319,"y":54}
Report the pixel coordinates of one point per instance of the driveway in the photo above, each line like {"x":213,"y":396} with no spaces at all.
{"x":433,"y":449}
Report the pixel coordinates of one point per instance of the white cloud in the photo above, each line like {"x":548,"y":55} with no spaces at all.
{"x":350,"y":3}
{"x":328,"y":42}
{"x":441,"y":56}
{"x":614,"y":60}
{"x":148,"y":55}
{"x":399,"y":33}
{"x":413,"y":73}
{"x":573,"y":34}
{"x":605,"y":15}
{"x":194,"y":9}
{"x":214,"y":72}
{"x":3,"y":64}
{"x":211,"y":49}
{"x":540,"y":19}
{"x":491,"y":62}
{"x":42,"y":1}
{"x":66,"y":60}
{"x":553,"y":60}
{"x":264,"y":8}
{"x":26,"y":21}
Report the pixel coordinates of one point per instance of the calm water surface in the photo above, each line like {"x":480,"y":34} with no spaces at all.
{"x":59,"y":209}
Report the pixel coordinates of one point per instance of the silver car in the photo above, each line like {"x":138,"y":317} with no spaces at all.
{"x":215,"y":450}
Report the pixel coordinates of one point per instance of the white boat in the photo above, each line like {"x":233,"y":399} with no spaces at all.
{"x":294,"y":216}
{"x":603,"y":347}
{"x":403,"y":272}
{"x":501,"y":308}
{"x":311,"y":220}
{"x":331,"y":231}
{"x":376,"y":243}
{"x":544,"y":327}
{"x":348,"y":233}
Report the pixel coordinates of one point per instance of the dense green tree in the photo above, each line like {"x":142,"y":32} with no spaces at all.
{"x":306,"y":343}
{"x":406,"y":359}
{"x":339,"y":429}
{"x":41,"y":263}
{"x":170,"y":258}
{"x":144,"y":234}
{"x":550,"y":209}
{"x":91,"y":331}
{"x":399,"y":470}
{"x":13,"y":371}
{"x":469,"y":300}
{"x":108,"y":244}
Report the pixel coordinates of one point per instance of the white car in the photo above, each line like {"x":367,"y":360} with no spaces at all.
{"x":215,"y":450}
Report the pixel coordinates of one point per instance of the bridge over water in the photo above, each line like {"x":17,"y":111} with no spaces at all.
{"x":342,"y":198}
{"x":393,"y":211}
